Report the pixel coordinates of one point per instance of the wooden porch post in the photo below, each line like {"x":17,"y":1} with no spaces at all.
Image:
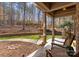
{"x":77,"y":28}
{"x":74,"y":19}
{"x":53,"y":34}
{"x":44,"y":27}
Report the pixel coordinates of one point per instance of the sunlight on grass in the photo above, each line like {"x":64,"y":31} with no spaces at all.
{"x":56,"y":36}
{"x":33,"y":37}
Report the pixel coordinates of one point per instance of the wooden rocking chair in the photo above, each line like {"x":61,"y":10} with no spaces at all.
{"x":62,"y":50}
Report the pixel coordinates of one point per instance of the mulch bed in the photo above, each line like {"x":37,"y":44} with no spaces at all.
{"x":16,"y":48}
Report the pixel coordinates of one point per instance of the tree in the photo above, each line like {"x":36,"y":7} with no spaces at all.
{"x":11,"y":13}
{"x":66,"y":23}
{"x":24,"y":4}
{"x":38,"y":16}
{"x":6,"y":12}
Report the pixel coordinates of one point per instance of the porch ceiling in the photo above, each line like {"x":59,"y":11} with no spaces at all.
{"x":58,"y":8}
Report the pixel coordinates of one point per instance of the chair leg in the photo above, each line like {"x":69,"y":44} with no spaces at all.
{"x":46,"y":53}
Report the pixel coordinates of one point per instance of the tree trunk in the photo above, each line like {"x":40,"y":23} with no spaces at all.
{"x":11,"y":15}
{"x":24,"y":4}
{"x":39,"y":17}
{"x":3,"y":13}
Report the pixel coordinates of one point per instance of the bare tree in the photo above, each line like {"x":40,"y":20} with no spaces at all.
{"x":24,"y":4}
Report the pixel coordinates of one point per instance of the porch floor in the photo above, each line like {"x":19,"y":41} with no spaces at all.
{"x":41,"y":52}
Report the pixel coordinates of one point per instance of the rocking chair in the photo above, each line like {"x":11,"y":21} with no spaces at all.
{"x":64,"y":50}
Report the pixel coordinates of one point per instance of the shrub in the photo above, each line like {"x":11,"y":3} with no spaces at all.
{"x":66,"y":23}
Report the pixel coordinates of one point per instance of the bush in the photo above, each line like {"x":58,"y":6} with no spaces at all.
{"x":66,"y":23}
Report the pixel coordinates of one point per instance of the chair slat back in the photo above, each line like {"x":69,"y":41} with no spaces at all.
{"x":69,"y":40}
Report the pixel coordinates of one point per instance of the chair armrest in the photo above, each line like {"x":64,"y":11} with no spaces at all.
{"x":58,"y":45}
{"x":58,"y":41}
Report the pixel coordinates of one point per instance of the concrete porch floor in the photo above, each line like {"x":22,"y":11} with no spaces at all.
{"x":41,"y":52}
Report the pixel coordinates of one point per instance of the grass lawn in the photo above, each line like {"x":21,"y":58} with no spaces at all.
{"x":33,"y":37}
{"x":56,"y":36}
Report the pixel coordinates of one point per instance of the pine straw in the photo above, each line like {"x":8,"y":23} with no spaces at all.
{"x":16,"y":48}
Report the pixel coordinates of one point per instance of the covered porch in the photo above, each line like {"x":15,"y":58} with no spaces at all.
{"x":60,"y":9}
{"x":56,"y":11}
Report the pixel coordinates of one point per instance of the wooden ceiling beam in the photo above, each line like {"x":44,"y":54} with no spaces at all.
{"x":65,"y":14}
{"x":55,"y":6}
{"x":42,"y":6}
{"x":62,"y":6}
{"x":70,"y":11}
{"x":59,"y":9}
